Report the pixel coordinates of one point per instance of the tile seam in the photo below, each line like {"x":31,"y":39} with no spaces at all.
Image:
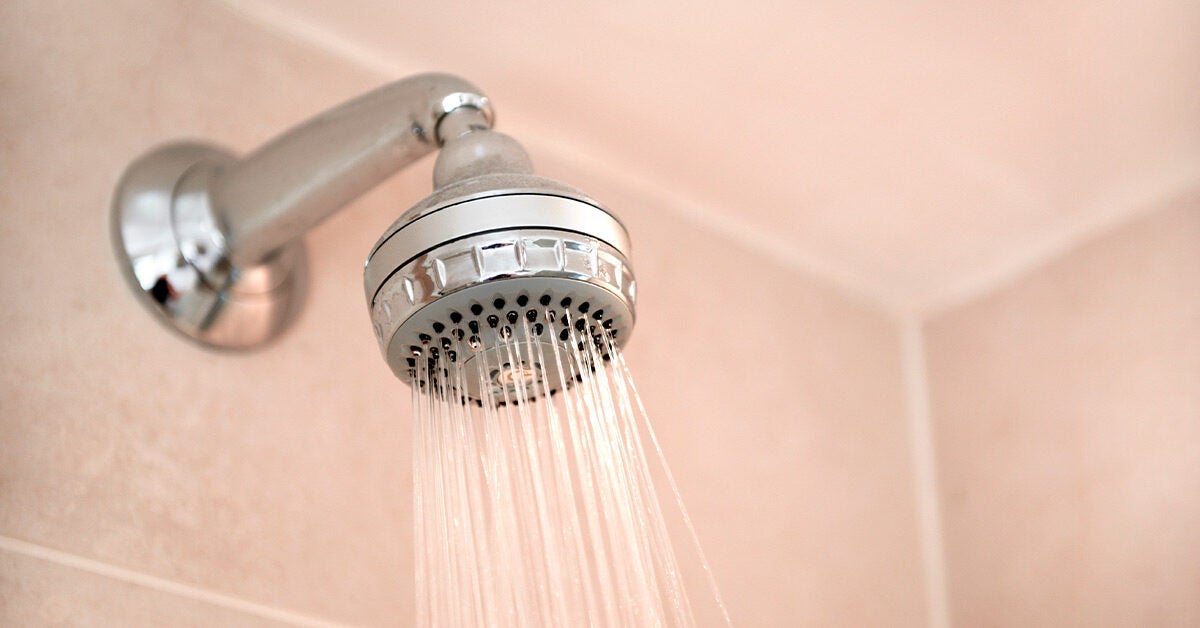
{"x":699,"y":214}
{"x":923,"y":460}
{"x":129,"y":576}
{"x":1045,"y":246}
{"x":1037,"y":250}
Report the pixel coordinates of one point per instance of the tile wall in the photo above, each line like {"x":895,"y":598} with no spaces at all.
{"x":144,"y":481}
{"x":173,"y":482}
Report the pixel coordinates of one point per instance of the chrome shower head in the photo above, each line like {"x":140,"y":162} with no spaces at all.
{"x":213,"y":244}
{"x":496,"y":254}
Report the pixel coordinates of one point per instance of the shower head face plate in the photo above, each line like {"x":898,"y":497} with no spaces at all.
{"x":468,"y":280}
{"x":506,"y":335}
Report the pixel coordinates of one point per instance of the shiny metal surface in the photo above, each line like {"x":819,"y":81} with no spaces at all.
{"x":213,"y":244}
{"x":502,"y":211}
{"x":471,"y":100}
{"x":177,"y":262}
{"x":280,"y":191}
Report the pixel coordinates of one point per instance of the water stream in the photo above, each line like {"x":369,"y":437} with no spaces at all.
{"x":535,"y":504}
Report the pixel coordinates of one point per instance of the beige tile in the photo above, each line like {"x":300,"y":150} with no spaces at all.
{"x":778,"y":401}
{"x":279,"y":476}
{"x":1067,"y":413}
{"x":35,"y":592}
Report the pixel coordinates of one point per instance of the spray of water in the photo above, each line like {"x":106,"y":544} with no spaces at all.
{"x":535,"y":506}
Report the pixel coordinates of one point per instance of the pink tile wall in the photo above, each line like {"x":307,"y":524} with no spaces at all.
{"x":1065,"y":406}
{"x":779,"y":403}
{"x":1067,"y":415}
{"x":35,"y":592}
{"x":281,"y":477}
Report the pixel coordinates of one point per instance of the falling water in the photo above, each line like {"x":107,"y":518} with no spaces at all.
{"x":536,"y":506}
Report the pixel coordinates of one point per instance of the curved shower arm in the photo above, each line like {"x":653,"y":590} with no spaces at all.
{"x":277,"y":193}
{"x":213,"y":244}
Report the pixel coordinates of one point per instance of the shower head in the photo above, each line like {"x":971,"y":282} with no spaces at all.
{"x":213,"y":244}
{"x":497,"y":253}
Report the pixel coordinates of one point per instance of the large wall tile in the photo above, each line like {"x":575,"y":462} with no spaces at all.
{"x":281,"y":476}
{"x":1067,"y":413}
{"x":779,"y":403}
{"x":910,"y":146}
{"x":35,"y":592}
{"x":278,"y":476}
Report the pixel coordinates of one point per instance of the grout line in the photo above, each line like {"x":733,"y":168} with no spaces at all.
{"x":65,"y":559}
{"x":1042,"y":246}
{"x":702,"y":215}
{"x":1122,"y":204}
{"x":283,"y":22}
{"x":924,"y":465}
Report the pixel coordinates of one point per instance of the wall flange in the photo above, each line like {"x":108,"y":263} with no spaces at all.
{"x":171,"y":248}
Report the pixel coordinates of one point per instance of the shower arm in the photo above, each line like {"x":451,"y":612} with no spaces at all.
{"x":213,"y":244}
{"x":280,"y":191}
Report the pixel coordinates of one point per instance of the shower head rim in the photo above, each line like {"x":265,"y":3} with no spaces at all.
{"x":486,"y":186}
{"x":501,"y":211}
{"x":409,"y":217}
